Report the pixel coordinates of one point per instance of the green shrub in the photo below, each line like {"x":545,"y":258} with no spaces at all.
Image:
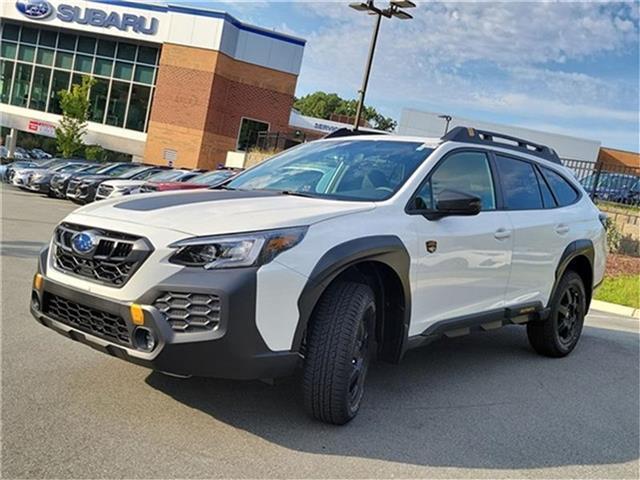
{"x":614,"y":236}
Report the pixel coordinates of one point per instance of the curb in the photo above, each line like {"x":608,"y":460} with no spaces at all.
{"x":615,"y":308}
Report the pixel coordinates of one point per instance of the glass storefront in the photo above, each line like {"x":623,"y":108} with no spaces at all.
{"x":35,"y":64}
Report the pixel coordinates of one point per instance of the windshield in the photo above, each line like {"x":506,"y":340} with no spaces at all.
{"x":346,"y":169}
{"x":68,"y":168}
{"x":133,"y":172}
{"x":212,"y":178}
{"x":168,"y":176}
{"x":121,"y":170}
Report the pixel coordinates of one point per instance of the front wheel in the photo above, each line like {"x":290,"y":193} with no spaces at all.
{"x":339,"y":345}
{"x":558,"y":335}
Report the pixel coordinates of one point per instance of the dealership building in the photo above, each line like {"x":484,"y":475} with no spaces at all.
{"x":173,"y":84}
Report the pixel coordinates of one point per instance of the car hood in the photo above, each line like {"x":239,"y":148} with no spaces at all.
{"x":94,"y":178}
{"x":212,"y":212}
{"x":124,"y":183}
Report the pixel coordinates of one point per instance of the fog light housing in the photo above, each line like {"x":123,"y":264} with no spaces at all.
{"x":144,"y":339}
{"x":35,"y":302}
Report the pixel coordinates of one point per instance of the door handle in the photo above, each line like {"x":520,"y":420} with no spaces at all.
{"x":562,"y":229}
{"x":502,"y":234}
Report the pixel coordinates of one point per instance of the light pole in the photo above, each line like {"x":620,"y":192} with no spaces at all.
{"x":393,"y":10}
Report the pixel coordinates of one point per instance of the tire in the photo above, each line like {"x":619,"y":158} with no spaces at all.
{"x":558,"y":335}
{"x":339,"y":345}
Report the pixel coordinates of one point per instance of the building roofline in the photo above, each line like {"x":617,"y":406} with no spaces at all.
{"x":204,"y":12}
{"x":619,"y":150}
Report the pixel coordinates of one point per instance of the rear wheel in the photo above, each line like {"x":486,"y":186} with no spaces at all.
{"x":339,"y":346}
{"x":559,"y":334}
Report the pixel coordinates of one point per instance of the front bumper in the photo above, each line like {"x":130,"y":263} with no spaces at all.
{"x":39,"y":186}
{"x":233,"y":350}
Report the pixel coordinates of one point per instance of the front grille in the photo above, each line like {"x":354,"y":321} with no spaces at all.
{"x":72,"y":186}
{"x":104,"y":191}
{"x":190,"y":312}
{"x":112,"y":262}
{"x":96,"y":322}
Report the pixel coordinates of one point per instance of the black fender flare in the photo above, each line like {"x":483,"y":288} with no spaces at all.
{"x":386,"y":249}
{"x":583,"y":247}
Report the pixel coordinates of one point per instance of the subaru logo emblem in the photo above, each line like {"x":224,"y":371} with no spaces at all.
{"x":84,"y":242}
{"x":35,"y":9}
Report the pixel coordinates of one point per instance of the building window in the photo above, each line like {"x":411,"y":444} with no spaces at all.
{"x":249,"y":130}
{"x":41,"y":77}
{"x":38,"y":63}
{"x":21,"y":84}
{"x":60,"y":82}
{"x":6,"y":74}
{"x":98,"y":100}
{"x":138,"y":107}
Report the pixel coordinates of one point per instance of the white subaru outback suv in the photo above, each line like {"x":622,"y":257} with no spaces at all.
{"x":327,"y":255}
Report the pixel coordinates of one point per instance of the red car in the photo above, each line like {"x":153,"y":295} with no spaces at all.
{"x":197,"y":181}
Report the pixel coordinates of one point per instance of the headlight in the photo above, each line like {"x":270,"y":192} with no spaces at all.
{"x":232,"y":251}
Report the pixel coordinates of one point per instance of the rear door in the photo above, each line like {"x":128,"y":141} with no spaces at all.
{"x":542,"y":220}
{"x":461,"y":266}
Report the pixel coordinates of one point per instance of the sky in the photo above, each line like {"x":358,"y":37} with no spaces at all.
{"x":565,"y":67}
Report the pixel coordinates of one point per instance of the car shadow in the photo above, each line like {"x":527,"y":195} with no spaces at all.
{"x":482,"y":401}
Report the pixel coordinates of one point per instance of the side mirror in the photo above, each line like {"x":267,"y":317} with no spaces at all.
{"x":455,"y":203}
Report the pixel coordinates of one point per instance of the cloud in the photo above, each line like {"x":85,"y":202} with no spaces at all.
{"x":523,"y":59}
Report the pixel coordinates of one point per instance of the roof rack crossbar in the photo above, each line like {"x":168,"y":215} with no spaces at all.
{"x":472,"y":135}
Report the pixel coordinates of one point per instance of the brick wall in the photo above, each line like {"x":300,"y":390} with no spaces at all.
{"x":201,"y":97}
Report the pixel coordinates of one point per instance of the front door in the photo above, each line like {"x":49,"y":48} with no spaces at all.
{"x":462,"y":263}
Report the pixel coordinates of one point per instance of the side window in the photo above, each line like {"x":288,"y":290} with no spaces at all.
{"x":519,"y":184}
{"x":562,"y":189}
{"x":547,"y":197}
{"x":467,"y":172}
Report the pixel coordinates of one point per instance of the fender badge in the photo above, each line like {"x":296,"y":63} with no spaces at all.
{"x":432,"y":246}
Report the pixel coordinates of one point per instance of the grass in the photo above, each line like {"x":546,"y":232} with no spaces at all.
{"x":624,"y":290}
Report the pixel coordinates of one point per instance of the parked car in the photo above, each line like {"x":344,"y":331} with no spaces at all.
{"x":40,"y":154}
{"x":22,"y":154}
{"x":10,"y":169}
{"x":60,"y":181}
{"x":84,"y":190}
{"x":20,"y":176}
{"x":174,"y":180}
{"x":210,"y":179}
{"x":40,"y":179}
{"x":120,"y":187}
{"x":379,"y":244}
{"x":614,"y":187}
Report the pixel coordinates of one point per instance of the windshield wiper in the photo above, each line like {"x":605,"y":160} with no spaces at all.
{"x":222,"y":187}
{"x":295,"y":193}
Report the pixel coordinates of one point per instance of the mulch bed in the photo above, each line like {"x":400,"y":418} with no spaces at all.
{"x":622,"y":265}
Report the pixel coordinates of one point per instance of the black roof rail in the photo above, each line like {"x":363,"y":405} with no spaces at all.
{"x":484,"y":137}
{"x":348,"y":132}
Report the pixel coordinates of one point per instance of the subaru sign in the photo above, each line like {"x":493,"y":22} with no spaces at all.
{"x":95,"y":17}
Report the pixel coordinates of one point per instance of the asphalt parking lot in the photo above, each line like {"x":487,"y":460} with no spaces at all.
{"x":482,"y":406}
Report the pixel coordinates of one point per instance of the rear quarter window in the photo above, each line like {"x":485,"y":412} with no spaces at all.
{"x":564,"y":192}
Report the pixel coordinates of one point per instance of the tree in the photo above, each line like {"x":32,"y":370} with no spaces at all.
{"x":323,"y":105}
{"x":75,"y":113}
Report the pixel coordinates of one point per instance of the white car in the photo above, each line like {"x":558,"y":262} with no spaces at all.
{"x":327,"y":255}
{"x":118,"y":188}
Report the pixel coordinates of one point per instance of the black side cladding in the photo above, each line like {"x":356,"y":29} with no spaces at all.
{"x":386,"y":249}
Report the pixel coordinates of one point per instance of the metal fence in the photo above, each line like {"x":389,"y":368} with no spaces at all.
{"x":605,"y":182}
